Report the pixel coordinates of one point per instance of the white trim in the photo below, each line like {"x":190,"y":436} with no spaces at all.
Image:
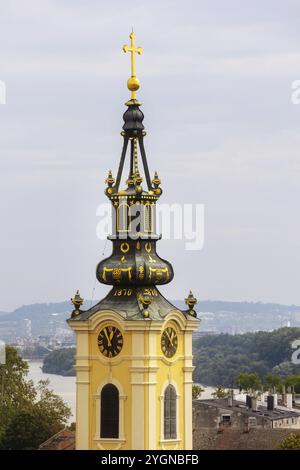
{"x":138,"y":357}
{"x":161,"y":398}
{"x":187,"y":387}
{"x":82,"y":393}
{"x":122,"y":398}
{"x":137,"y":391}
{"x":152,"y":411}
{"x":118,"y":443}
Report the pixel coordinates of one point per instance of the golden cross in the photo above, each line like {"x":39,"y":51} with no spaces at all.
{"x":133,"y":83}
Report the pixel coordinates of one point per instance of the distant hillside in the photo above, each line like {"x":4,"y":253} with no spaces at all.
{"x":33,"y":311}
{"x":217,"y":316}
{"x":215,"y":306}
{"x":45,"y":318}
{"x":220,"y":358}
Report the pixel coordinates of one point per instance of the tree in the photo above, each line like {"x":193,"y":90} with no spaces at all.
{"x":26,"y":430}
{"x":293,"y":381}
{"x":291,"y":442}
{"x":220,"y":392}
{"x":284,"y":369}
{"x":72,"y":426}
{"x":60,"y":361}
{"x":273,"y":382}
{"x":28,"y":414}
{"x":196,"y":391}
{"x":17,"y":393}
{"x":220,"y":358}
{"x":249,"y":382}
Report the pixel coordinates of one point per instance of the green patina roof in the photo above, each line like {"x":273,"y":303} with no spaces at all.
{"x":130,"y":306}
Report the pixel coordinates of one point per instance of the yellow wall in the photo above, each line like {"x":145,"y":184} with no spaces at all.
{"x":141,"y":372}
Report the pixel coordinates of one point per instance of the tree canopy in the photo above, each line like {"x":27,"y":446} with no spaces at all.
{"x":248,"y":382}
{"x":196,"y":391}
{"x":220,"y":358}
{"x":61,"y":362}
{"x":29,"y":414}
{"x":220,"y":392}
{"x":291,"y":442}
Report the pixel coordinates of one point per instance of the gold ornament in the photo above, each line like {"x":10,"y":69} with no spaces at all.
{"x":133,"y":83}
{"x":125,"y":247}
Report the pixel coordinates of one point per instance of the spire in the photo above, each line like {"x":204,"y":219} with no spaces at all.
{"x":133,"y":134}
{"x":134,"y":260}
{"x":134,"y":268}
{"x":133,"y":83}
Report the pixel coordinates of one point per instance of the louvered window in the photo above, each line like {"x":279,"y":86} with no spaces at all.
{"x":148,"y":216}
{"x":170,"y":413}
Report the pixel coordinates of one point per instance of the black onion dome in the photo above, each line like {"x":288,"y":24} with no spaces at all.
{"x":133,"y":119}
{"x":134,"y":263}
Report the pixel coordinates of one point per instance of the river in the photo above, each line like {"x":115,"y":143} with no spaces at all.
{"x":63,"y":386}
{"x":66,"y":388}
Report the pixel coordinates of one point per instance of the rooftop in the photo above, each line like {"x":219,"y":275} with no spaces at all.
{"x":279,"y":412}
{"x":63,"y":440}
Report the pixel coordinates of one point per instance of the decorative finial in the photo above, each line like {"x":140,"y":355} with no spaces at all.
{"x":156,"y":182}
{"x":110,"y":181}
{"x":191,"y":302}
{"x":77,"y":301}
{"x":133,"y":83}
{"x":146,"y":301}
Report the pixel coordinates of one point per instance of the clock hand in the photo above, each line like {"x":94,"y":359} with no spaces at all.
{"x":107,"y":337}
{"x":169,"y":338}
{"x":172,"y":337}
{"x":111,"y":335}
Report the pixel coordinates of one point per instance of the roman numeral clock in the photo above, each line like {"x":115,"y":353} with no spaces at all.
{"x":110,"y":341}
{"x":134,"y":348}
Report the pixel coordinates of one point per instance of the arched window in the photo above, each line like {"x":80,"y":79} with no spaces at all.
{"x":134,"y":218}
{"x":148,"y":217}
{"x":122,"y":217}
{"x":109,"y":412}
{"x":170,"y":413}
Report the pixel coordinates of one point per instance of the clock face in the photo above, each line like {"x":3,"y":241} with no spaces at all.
{"x":169,"y":342}
{"x":110,"y":341}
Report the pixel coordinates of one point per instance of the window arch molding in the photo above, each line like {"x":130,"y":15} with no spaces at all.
{"x":122,"y":398}
{"x":162,"y":411}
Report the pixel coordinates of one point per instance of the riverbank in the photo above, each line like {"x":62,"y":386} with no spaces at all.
{"x":65,"y":387}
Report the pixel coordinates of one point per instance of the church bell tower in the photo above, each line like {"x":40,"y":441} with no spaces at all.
{"x":134,"y":348}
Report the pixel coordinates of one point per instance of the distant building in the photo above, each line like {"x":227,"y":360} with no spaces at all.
{"x":27,"y":328}
{"x":200,"y":334}
{"x":230,"y":424}
{"x":43,"y":340}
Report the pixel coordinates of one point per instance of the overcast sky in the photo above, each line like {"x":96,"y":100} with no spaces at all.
{"x":221,"y":130}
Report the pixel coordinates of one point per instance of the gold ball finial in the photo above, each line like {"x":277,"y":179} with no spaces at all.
{"x":133,"y":84}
